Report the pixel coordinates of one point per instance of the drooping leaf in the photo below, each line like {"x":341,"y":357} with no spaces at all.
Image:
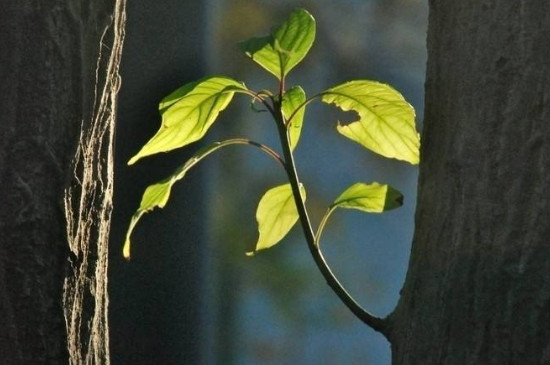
{"x":293,"y":98}
{"x":285,"y":47}
{"x":188,"y":112}
{"x":386,"y":122}
{"x":370,"y":198}
{"x":276,"y":215}
{"x":157,"y":195}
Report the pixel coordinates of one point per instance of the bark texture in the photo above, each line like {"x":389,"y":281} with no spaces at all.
{"x":477,"y":290}
{"x":48,"y":62}
{"x":89,"y":204}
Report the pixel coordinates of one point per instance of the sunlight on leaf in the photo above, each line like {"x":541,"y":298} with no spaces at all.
{"x":276,"y":215}
{"x":154,"y":196}
{"x":386,"y":122}
{"x":291,"y":100}
{"x":157,"y":195}
{"x":188,"y":112}
{"x":279,"y":52}
{"x":370,"y":198}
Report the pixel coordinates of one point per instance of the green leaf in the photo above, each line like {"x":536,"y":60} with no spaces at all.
{"x":285,"y":47}
{"x":157,"y":195}
{"x":154,"y":196}
{"x":292,"y":99}
{"x":370,"y":198}
{"x":386,"y":121}
{"x":276,"y":215}
{"x":188,"y":112}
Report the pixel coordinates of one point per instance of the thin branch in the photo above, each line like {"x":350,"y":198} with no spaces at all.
{"x":268,"y":106}
{"x":374,"y":322}
{"x":217,"y":145}
{"x":281,"y":88}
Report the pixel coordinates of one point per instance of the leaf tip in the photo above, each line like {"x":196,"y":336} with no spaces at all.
{"x":395,"y":202}
{"x":394,"y":198}
{"x":400,"y":199}
{"x":126,"y":250}
{"x":133,"y":160}
{"x":250,"y":253}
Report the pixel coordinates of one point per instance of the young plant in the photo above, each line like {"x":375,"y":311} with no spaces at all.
{"x":386,"y":126}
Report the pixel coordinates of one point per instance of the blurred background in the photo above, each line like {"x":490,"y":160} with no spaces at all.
{"x":190,"y":295}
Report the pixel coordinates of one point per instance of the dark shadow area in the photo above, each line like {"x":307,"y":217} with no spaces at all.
{"x":154,"y":298}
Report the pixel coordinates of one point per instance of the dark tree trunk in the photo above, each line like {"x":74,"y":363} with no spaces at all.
{"x":478,"y":288}
{"x":48,"y":61}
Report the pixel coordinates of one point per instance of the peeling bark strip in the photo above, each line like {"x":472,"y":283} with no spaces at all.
{"x":88,"y":207}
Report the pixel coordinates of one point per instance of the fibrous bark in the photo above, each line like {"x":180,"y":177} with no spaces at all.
{"x":48,"y":62}
{"x":477,"y":290}
{"x":89,"y":204}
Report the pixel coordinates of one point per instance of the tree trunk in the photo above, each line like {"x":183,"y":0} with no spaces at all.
{"x":477,"y":290}
{"x":51,"y":90}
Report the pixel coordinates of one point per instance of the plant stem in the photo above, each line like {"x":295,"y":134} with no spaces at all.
{"x":375,"y":323}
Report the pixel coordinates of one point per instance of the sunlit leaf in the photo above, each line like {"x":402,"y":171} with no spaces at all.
{"x":285,"y":47}
{"x":188,"y":112}
{"x":293,"y":98}
{"x":386,"y":122}
{"x":157,"y":195}
{"x":177,"y":95}
{"x":276,"y":215}
{"x":370,"y":198}
{"x":154,"y":196}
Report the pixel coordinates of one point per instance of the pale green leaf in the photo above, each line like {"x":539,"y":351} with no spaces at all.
{"x":386,"y":123}
{"x":370,"y":198}
{"x":178,"y":94}
{"x":279,"y":52}
{"x":154,"y":196}
{"x":188,"y":113}
{"x":292,"y":99}
{"x":157,"y":195}
{"x":276,"y":215}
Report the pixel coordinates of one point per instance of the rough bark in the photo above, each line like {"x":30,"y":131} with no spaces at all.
{"x":47,"y":76}
{"x":88,"y":205}
{"x":477,"y":289}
